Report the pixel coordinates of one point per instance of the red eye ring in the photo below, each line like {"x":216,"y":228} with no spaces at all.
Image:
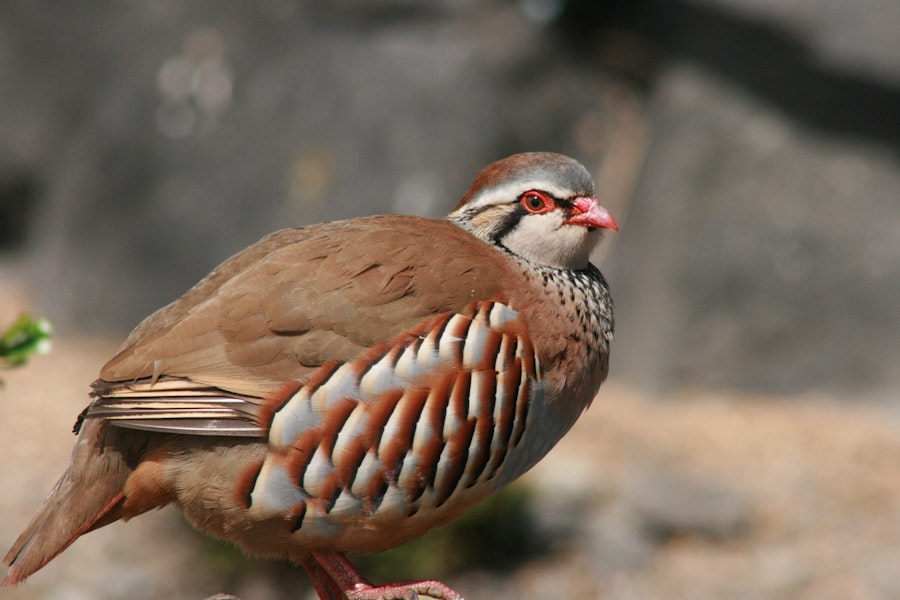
{"x":537,"y":202}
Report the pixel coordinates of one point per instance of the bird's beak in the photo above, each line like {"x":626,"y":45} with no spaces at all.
{"x":587,"y":212}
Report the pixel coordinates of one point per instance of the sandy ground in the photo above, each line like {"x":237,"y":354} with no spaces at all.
{"x":704,"y":495}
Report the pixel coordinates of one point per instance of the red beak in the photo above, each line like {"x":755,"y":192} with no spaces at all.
{"x":587,"y":212}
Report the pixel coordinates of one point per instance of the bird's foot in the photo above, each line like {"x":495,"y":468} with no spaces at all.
{"x":403,"y":590}
{"x":335,"y":578}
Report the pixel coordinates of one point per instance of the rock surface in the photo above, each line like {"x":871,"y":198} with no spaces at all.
{"x":750,"y":150}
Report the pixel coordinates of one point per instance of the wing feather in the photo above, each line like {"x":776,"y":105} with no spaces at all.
{"x":175,"y":405}
{"x":301,"y":297}
{"x":217,"y":360}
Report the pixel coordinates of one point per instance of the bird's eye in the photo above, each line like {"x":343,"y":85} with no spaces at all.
{"x":537,"y":202}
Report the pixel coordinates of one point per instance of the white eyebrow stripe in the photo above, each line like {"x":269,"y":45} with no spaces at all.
{"x":507,"y":192}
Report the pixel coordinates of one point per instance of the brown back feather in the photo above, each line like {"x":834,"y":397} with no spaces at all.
{"x":303,"y":296}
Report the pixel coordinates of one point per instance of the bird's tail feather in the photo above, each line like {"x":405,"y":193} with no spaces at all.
{"x":87,"y":496}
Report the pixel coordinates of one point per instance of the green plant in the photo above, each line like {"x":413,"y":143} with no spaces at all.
{"x":26,"y":337}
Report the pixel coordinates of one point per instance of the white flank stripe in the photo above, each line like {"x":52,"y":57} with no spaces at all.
{"x":501,"y":398}
{"x":427,"y":357}
{"x":294,"y":418}
{"x":424,"y":434}
{"x":500,"y":364}
{"x":534,"y":360}
{"x":393,"y":424}
{"x":474,"y":350}
{"x":316,"y":472}
{"x":406,"y":368}
{"x":274,"y":491}
{"x":410,"y":464}
{"x":443,"y":465}
{"x":347,"y":505}
{"x":451,"y":420}
{"x":369,"y":466}
{"x":393,"y":503}
{"x":342,"y":384}
{"x":475,"y":399}
{"x":467,"y":472}
{"x":448,"y":345}
{"x":501,"y":315}
{"x":350,"y":430}
{"x":378,"y":379}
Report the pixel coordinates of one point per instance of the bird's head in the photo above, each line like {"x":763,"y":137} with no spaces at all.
{"x":540,"y":206}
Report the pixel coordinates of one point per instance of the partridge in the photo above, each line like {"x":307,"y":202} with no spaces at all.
{"x":346,"y":387}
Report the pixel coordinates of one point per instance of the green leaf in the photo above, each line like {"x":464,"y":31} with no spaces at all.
{"x":26,"y":337}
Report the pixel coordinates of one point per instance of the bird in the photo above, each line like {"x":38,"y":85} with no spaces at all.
{"x":345,"y":387}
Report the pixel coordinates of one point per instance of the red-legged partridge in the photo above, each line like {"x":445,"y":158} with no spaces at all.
{"x":345,"y":387}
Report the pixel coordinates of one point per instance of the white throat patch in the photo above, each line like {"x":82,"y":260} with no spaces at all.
{"x":547,"y":240}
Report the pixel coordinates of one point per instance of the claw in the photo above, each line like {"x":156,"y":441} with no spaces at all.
{"x":331,"y":571}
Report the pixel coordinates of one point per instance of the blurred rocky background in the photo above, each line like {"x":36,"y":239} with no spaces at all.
{"x":748,"y":444}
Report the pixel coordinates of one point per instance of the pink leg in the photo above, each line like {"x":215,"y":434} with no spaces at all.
{"x":325,"y":586}
{"x":350,"y":581}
